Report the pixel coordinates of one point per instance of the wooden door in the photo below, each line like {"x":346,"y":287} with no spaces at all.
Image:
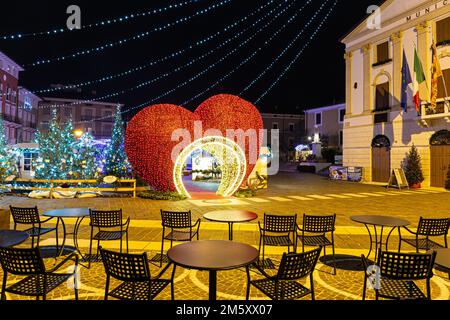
{"x":381,"y":164}
{"x":440,"y":160}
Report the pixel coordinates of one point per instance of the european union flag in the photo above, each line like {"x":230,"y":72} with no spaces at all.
{"x":406,"y":81}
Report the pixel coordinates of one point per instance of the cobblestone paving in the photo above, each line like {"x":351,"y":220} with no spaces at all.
{"x":323,"y":197}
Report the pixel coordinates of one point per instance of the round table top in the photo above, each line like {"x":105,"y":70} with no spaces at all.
{"x":67,"y":213}
{"x":213,"y":255}
{"x":10,"y":238}
{"x":378,"y":220}
{"x":443,"y":257}
{"x":230,"y":216}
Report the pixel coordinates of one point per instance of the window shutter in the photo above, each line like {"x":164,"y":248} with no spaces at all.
{"x":443,"y":30}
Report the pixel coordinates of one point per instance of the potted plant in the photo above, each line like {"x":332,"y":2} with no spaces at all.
{"x":413,"y":168}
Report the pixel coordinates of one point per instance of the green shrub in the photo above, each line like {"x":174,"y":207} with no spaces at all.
{"x":413,"y":167}
{"x":247,"y":193}
{"x":159,"y":195}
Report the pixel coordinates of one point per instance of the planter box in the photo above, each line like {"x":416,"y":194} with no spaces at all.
{"x":4,"y":219}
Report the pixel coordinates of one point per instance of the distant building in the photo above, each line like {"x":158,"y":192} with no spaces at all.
{"x":27,"y":114}
{"x":291,"y":128}
{"x":9,"y":92}
{"x":328,"y":123}
{"x":96,"y":118}
{"x":378,"y":132}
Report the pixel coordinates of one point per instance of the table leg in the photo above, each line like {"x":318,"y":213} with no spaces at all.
{"x":230,"y":231}
{"x":387,"y":239}
{"x":64,"y":237}
{"x":212,"y":285}
{"x":371,"y":241}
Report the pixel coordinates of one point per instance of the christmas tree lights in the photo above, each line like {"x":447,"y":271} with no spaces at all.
{"x":115,"y":159}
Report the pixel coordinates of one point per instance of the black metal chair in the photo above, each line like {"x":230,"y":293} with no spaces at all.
{"x":107,"y":220}
{"x":284,"y":285}
{"x":427,"y":228}
{"x":133,"y":270}
{"x":30,"y":217}
{"x":276,"y":231}
{"x":397,"y":273}
{"x":181,"y":228}
{"x":38,"y":281}
{"x":314,"y":230}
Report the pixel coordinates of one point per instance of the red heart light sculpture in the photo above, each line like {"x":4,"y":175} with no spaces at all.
{"x":148,"y":139}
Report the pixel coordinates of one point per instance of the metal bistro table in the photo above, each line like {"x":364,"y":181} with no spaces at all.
{"x":11,"y":238}
{"x":213,"y":256}
{"x":69,"y":213}
{"x":379,"y":221}
{"x":230,"y":217}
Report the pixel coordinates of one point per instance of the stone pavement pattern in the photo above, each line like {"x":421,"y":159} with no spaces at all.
{"x":288,"y":193}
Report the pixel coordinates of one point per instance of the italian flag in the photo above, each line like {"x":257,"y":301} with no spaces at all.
{"x":420,"y":82}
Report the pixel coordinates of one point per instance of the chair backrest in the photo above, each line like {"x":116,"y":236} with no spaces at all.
{"x":21,"y":261}
{"x":25,"y":215}
{"x":176,"y":220}
{"x":280,"y":224}
{"x":433,"y":227}
{"x":295,"y":266}
{"x":106,"y":219}
{"x":319,"y":224}
{"x":406,"y":266}
{"x":125,"y":266}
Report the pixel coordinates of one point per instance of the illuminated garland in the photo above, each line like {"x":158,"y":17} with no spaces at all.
{"x":216,"y":63}
{"x":170,"y":55}
{"x":128,"y":17}
{"x":129,"y":39}
{"x":299,"y":53}
{"x":146,"y":83}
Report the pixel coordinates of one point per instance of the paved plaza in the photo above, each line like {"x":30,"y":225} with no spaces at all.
{"x":288,"y":193}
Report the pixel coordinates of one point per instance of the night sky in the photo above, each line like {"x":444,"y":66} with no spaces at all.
{"x":316,"y":79}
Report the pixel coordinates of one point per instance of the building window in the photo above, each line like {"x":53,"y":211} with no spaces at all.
{"x":291,"y":127}
{"x":68,"y":112}
{"x":46,"y":111}
{"x":341,"y":115}
{"x":341,"y":137}
{"x":275,"y":125}
{"x":383,"y":52}
{"x":382,"y":97}
{"x":443,"y":31}
{"x":318,"y":119}
{"x":44,"y":124}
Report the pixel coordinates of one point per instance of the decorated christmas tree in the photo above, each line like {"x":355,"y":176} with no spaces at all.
{"x":413,"y":167}
{"x":447,"y":182}
{"x":85,"y":158}
{"x":8,"y":161}
{"x":56,"y":150}
{"x":116,"y":161}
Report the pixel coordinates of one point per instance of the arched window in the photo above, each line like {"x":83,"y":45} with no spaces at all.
{"x":381,"y":141}
{"x":440,"y":138}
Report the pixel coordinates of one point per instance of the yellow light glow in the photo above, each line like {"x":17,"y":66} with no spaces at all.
{"x":230,"y":157}
{"x":78,"y":133}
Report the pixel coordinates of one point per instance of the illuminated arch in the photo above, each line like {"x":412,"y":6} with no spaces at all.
{"x":230,"y":156}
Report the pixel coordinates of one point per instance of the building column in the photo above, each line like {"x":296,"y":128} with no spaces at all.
{"x":424,"y":50}
{"x":397,"y":46}
{"x":367,"y":69}
{"x":348,"y":83}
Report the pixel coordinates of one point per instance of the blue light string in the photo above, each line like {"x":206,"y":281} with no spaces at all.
{"x":165,"y":58}
{"x":299,"y":53}
{"x":121,"y":19}
{"x":126,"y":40}
{"x":249,"y":58}
{"x":205,"y":70}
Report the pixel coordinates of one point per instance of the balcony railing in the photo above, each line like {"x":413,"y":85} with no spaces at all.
{"x":11,"y":118}
{"x":442,"y":111}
